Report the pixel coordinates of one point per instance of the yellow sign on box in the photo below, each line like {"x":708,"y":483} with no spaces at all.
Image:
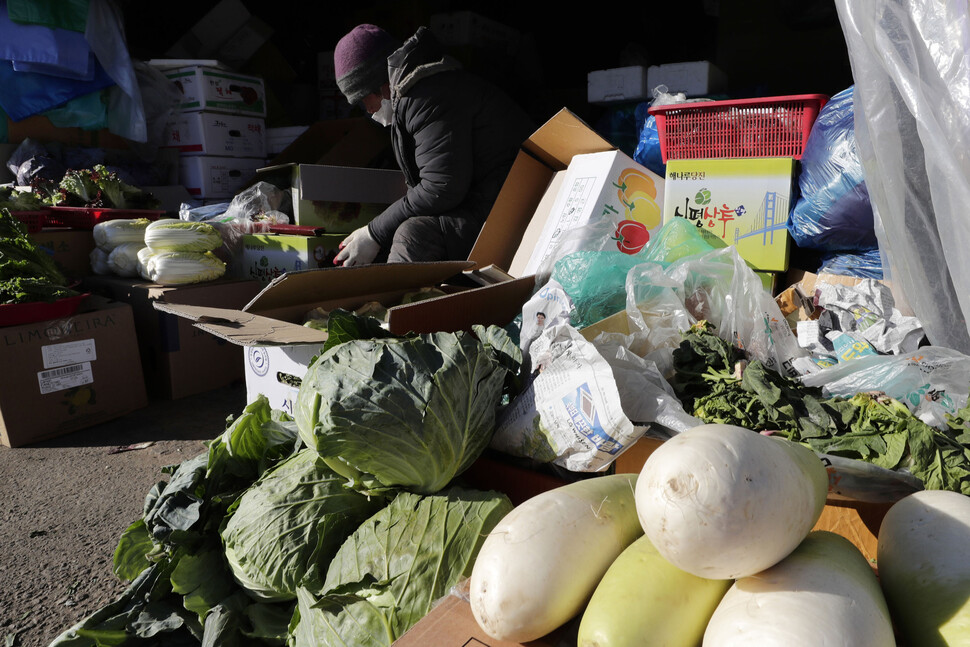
{"x":741,"y":202}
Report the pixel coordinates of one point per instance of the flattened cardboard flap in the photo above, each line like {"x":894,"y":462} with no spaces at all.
{"x":275,"y":316}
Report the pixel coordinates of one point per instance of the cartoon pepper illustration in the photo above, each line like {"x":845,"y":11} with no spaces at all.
{"x":638,"y":193}
{"x":631,"y":236}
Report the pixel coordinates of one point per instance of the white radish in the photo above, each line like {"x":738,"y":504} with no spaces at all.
{"x":538,"y":568}
{"x":923,"y":555}
{"x":723,"y":502}
{"x":823,"y":593}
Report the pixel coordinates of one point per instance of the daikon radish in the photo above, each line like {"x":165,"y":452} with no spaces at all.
{"x":823,"y":593}
{"x":538,"y":568}
{"x":923,"y":555}
{"x":645,"y":601}
{"x":723,"y":502}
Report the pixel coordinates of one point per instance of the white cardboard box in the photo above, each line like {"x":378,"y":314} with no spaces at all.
{"x":617,"y":84}
{"x":271,"y":371}
{"x":694,"y":79}
{"x":216,"y":133}
{"x":216,"y":177}
{"x":211,"y":88}
{"x":608,"y":185}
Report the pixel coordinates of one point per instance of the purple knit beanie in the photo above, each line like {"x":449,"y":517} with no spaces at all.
{"x":360,"y":61}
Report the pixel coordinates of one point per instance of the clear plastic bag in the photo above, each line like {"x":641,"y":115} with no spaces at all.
{"x":911,"y":68}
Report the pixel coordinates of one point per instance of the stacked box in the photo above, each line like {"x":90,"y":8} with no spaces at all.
{"x":219,"y":130}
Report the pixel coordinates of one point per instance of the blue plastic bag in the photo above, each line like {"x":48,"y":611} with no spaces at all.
{"x":865,"y":264}
{"x":648,"y":148}
{"x":833,"y":212}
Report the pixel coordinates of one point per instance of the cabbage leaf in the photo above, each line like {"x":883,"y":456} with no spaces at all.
{"x":405,"y":413}
{"x":395,"y":566}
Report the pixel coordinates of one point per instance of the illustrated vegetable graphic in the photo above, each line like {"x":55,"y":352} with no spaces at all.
{"x":637,"y":191}
{"x":542,"y":562}
{"x":645,"y":600}
{"x":924,"y":567}
{"x":631,"y":236}
{"x":721,"y":501}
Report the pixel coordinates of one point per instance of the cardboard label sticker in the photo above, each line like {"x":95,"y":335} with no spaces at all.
{"x":72,"y":352}
{"x":65,"y":377}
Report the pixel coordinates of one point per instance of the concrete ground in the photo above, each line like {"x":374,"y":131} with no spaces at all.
{"x":65,"y":502}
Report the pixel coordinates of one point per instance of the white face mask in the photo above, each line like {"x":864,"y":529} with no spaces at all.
{"x":383,"y":114}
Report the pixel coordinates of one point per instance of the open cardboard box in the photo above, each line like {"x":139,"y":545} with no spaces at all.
{"x":278,"y":345}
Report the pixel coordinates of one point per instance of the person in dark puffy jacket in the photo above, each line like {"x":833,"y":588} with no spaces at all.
{"x":455,"y":137}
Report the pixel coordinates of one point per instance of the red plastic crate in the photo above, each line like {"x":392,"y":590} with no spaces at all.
{"x":34,"y":220}
{"x":88,"y":217}
{"x":763,"y":127}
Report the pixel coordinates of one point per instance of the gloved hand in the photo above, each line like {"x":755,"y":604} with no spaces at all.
{"x":358,"y":248}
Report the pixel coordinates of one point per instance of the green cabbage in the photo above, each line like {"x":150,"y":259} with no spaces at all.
{"x":170,"y":234}
{"x":407,"y":413}
{"x":287,"y":526}
{"x":111,"y":233}
{"x":395,"y":566}
{"x":123,"y":259}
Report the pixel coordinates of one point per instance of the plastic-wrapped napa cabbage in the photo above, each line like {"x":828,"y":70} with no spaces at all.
{"x":175,"y":235}
{"x":99,"y":262}
{"x":180,"y":268}
{"x":111,"y":233}
{"x":123,"y":259}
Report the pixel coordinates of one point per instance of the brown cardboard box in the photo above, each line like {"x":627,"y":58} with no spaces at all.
{"x":71,"y":248}
{"x":66,"y":374}
{"x":178,"y":359}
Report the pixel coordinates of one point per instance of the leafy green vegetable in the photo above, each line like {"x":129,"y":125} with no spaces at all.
{"x":99,"y":186}
{"x":171,"y":234}
{"x":288,"y":525}
{"x":182,"y":590}
{"x":397,"y":564}
{"x":407,"y":413}
{"x":27,"y":272}
{"x":717,"y":385}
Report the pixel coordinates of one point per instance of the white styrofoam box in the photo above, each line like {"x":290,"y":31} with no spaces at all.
{"x":269,"y":367}
{"x":696,"y":78}
{"x":216,"y":133}
{"x":216,"y":177}
{"x":617,"y":84}
{"x":214,"y":89}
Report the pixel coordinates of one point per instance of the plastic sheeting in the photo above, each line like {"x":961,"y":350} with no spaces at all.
{"x":911,"y":66}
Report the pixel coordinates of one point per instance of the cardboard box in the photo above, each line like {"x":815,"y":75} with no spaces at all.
{"x":67,"y":374}
{"x":525,"y":204}
{"x":217,"y":134}
{"x":227,"y":32}
{"x":219,"y":90}
{"x":694,"y":78}
{"x":338,"y":199}
{"x":608,"y":185}
{"x":268,"y":256}
{"x":277,"y":139}
{"x":273,"y":319}
{"x":857,"y":521}
{"x":740,"y":202}
{"x":70,"y":248}
{"x":617,"y":85}
{"x":178,"y":359}
{"x":467,"y":28}
{"x":216,"y":177}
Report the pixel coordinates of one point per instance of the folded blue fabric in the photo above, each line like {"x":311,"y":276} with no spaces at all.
{"x":40,"y":49}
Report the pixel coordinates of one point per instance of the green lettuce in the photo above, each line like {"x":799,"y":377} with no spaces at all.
{"x":408,"y":413}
